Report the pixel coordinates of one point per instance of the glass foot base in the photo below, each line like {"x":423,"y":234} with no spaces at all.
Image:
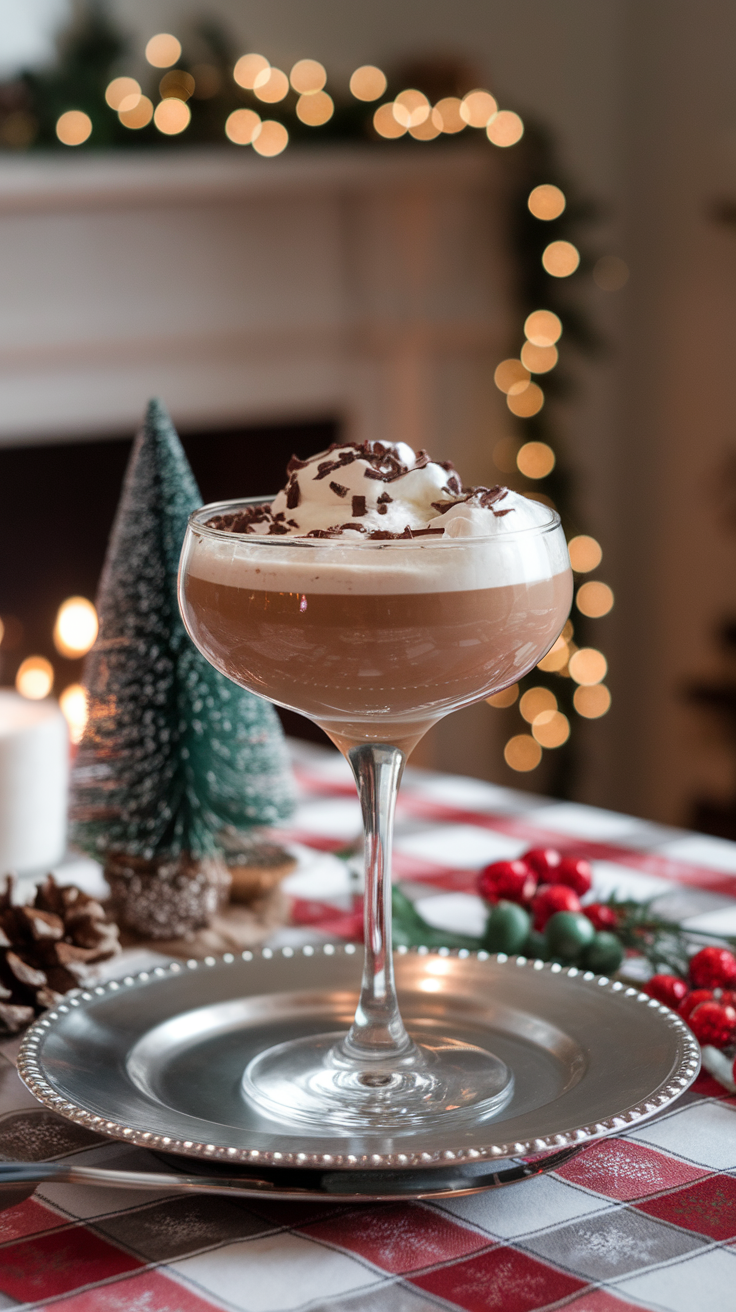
{"x":440,"y":1081}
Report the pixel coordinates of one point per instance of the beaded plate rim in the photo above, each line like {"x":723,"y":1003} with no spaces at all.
{"x":30,"y":1057}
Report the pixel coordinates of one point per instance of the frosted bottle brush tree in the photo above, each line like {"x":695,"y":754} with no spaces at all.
{"x":172,"y":752}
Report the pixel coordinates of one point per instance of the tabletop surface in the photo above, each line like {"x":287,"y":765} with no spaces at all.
{"x":643,"y":1220}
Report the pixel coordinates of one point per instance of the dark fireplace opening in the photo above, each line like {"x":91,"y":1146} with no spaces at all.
{"x":57,"y":504}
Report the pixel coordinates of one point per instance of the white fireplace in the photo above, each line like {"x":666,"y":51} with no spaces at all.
{"x":370,"y":285}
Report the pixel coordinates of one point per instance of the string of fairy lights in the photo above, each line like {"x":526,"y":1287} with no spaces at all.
{"x":410,"y":112}
{"x":585,"y":666}
{"x":546,"y":726}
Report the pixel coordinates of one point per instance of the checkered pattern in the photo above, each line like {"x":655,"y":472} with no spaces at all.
{"x":646,"y":1220}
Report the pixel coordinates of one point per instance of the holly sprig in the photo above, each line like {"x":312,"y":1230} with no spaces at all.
{"x":663,"y":943}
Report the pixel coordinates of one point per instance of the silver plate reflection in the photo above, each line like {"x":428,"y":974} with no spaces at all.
{"x":158,"y":1059}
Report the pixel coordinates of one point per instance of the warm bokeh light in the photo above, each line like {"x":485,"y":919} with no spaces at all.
{"x":536,"y":700}
{"x":511,"y":376}
{"x":35,"y":678}
{"x":504,"y":454}
{"x":308,"y":76}
{"x":176,"y":83}
{"x":585,"y":553}
{"x":477,"y":108}
{"x":120,"y":89}
{"x":139,"y":116}
{"x":541,"y":497}
{"x":272,"y":138}
{"x":429,"y":130}
{"x":248,"y":68}
{"x":73,"y":703}
{"x":561,"y":258}
{"x":76,"y":627}
{"x":551,"y":729}
{"x":385,"y":123}
{"x":2,"y":631}
{"x":594,"y":599}
{"x":505,"y":128}
{"x":73,"y":127}
{"x":271,"y":86}
{"x":411,"y":108}
{"x":522,"y":753}
{"x":505,"y":698}
{"x":588,"y":666}
{"x":539,"y":359}
{"x":172,"y":116}
{"x":526,"y":403}
{"x":207,"y":81}
{"x":610,"y":273}
{"x":535,"y":460}
{"x":163,"y":50}
{"x":592,"y":701}
{"x":448,"y":113}
{"x":368,"y":82}
{"x":568,"y":630}
{"x":315,"y":109}
{"x":543,"y":328}
{"x":546,"y":202}
{"x":556,"y":658}
{"x":242,"y":126}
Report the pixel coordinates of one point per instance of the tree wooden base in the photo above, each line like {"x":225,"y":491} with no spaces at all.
{"x":166,"y":898}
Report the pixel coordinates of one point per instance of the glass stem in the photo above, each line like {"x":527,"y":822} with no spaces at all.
{"x":377,"y":1033}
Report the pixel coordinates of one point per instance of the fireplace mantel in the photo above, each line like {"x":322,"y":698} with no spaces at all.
{"x":368,"y":284}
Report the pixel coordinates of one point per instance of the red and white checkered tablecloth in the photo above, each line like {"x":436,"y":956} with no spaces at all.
{"x":644,"y":1220}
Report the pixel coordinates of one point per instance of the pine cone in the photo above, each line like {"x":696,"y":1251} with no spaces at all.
{"x":45,"y":948}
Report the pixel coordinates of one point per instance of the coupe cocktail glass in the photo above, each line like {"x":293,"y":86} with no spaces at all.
{"x":375,"y":642}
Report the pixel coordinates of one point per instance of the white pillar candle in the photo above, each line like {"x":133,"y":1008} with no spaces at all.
{"x":34,"y":780}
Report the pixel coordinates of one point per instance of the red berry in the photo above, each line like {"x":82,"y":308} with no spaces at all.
{"x":574,"y":872}
{"x":727,"y":997}
{"x":603,"y":917}
{"x":713,"y":1023}
{"x":507,"y":881}
{"x":543,"y":861}
{"x":713,"y":968}
{"x":693,"y":1000}
{"x":667,"y":989}
{"x":550,"y":899}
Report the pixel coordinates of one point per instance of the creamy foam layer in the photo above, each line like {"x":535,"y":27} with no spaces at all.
{"x":437,"y":565}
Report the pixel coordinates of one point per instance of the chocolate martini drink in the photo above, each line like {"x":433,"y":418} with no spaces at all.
{"x":376,"y":594}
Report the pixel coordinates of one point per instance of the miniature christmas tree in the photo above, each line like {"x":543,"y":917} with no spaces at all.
{"x":172,"y":752}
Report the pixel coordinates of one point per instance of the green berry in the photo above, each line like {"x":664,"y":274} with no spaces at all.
{"x":535,"y":946}
{"x":568,"y":933}
{"x":604,"y":955}
{"x":507,"y":928}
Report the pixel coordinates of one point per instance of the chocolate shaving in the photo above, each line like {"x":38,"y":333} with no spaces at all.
{"x":384,"y":499}
{"x":426,"y":532}
{"x":296,"y":464}
{"x":293,"y":493}
{"x":360,"y":528}
{"x":358,"y":506}
{"x":338,"y":489}
{"x":383,"y":510}
{"x":329,"y":466}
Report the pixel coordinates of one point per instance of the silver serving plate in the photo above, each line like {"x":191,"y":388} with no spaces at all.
{"x":157,"y":1060}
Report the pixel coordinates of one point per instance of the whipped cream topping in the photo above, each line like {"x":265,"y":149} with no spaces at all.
{"x":394,"y":522}
{"x":379,"y":491}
